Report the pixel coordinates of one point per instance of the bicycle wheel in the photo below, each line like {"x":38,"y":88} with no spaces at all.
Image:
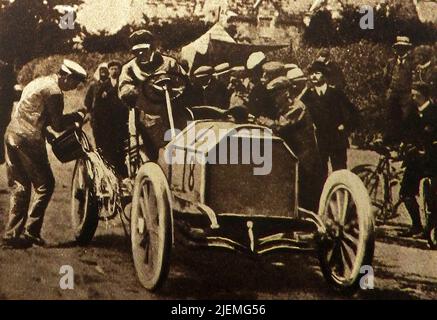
{"x":381,"y":195}
{"x":84,"y":205}
{"x":430,"y":221}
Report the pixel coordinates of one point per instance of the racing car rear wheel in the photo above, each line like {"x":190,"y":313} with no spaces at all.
{"x":346,"y":212}
{"x":84,"y":205}
{"x":151,"y":228}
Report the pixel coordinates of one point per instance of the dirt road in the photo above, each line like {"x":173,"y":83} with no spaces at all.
{"x":403,"y":269}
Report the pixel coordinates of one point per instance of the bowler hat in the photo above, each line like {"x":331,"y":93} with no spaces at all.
{"x":421,"y":87}
{"x":318,"y":66}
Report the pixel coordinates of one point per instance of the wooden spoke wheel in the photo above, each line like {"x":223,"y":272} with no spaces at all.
{"x":427,"y":203}
{"x":151,"y":226}
{"x":346,"y":211}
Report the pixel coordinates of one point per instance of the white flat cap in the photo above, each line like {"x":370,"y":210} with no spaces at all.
{"x":73,"y":68}
{"x":278,"y":83}
{"x":255,"y":59}
{"x":289,"y":66}
{"x":295,"y":74}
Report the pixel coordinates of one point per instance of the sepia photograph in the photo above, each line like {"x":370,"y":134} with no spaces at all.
{"x":219,"y":150}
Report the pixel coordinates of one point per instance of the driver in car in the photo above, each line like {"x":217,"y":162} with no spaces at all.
{"x":151,"y":119}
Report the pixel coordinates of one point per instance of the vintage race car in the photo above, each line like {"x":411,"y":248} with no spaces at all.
{"x":207,"y":189}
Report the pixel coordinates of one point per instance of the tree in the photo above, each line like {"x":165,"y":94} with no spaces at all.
{"x":30,"y":28}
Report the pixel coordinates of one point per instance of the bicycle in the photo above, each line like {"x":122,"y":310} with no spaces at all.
{"x":381,"y":180}
{"x":428,"y":199}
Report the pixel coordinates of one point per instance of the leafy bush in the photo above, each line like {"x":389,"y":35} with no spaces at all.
{"x":362,"y":63}
{"x":45,"y":66}
{"x":104,"y":42}
{"x":171,"y":35}
{"x":324,"y":31}
{"x":29,"y":28}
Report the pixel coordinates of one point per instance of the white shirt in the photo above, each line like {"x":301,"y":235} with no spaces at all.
{"x":29,"y":116}
{"x":423,"y":107}
{"x":322,"y":89}
{"x":424,"y":66}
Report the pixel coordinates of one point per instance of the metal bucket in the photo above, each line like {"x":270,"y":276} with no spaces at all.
{"x":70,"y":145}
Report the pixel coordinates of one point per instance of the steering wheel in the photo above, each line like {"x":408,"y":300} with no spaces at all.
{"x":155,"y":85}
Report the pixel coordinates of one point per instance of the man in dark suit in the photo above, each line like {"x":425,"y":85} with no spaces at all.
{"x":421,"y":137}
{"x":334,"y":76}
{"x":113,"y":119}
{"x":398,"y":79}
{"x":333,"y":114}
{"x":296,"y":127}
{"x":425,"y":69}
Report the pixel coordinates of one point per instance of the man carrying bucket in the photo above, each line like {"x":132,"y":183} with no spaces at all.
{"x":41,"y":105}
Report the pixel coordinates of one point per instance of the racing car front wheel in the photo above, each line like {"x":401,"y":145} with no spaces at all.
{"x":84,"y":205}
{"x":151,"y":227}
{"x":345,"y":209}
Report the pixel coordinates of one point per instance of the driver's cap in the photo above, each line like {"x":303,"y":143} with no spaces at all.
{"x":203,"y":71}
{"x":141,"y":39}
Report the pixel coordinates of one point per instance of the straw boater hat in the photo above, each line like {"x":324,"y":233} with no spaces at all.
{"x":402,"y":41}
{"x":289,"y":66}
{"x":278,"y":83}
{"x":222,"y":68}
{"x":295,"y":75}
{"x":255,"y":59}
{"x":273,"y":69}
{"x":203,"y":71}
